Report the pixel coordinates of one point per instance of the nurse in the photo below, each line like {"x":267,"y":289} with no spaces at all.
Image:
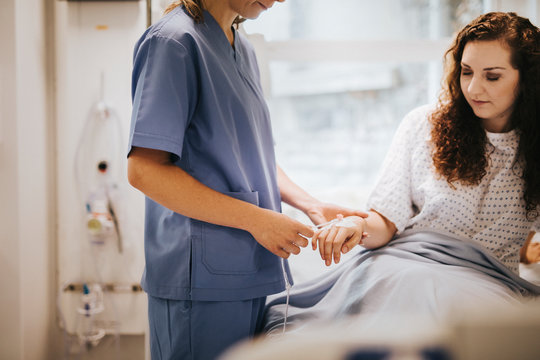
{"x":201,"y":150}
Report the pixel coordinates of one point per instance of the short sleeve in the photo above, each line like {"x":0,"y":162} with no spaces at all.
{"x":165,"y":88}
{"x":536,"y":225}
{"x":392,"y":194}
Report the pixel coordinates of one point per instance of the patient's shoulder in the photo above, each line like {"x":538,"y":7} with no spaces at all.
{"x":417,"y":120}
{"x":419,"y":114}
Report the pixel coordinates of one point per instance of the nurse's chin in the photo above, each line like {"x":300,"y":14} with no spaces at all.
{"x":251,"y":16}
{"x":253,"y":12}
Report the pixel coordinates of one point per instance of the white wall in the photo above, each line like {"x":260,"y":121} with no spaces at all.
{"x":25,"y":181}
{"x":37,"y":137}
{"x":10,"y":327}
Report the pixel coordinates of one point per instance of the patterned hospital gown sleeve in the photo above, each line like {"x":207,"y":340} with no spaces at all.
{"x":392,"y":194}
{"x":536,"y":225}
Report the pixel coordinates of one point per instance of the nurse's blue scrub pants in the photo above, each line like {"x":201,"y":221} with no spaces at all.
{"x":200,"y":330}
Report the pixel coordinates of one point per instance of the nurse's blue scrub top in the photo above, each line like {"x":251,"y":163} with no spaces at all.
{"x":199,"y":99}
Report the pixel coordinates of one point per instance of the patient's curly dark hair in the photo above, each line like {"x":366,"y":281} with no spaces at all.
{"x":458,"y":137}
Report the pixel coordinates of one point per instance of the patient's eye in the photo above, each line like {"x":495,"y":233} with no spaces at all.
{"x":466,"y":72}
{"x":493,"y":77}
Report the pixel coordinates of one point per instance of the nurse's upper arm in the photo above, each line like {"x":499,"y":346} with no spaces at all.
{"x":141,"y":161}
{"x":165,"y":96}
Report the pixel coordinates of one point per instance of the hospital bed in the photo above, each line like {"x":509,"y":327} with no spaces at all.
{"x":478,"y":333}
{"x":487,"y":334}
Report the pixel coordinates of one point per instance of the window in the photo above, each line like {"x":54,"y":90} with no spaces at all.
{"x":339,"y":78}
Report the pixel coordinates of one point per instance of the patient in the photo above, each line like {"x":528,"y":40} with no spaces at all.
{"x":458,"y":194}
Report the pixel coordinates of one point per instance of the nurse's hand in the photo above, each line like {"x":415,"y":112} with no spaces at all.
{"x":321,"y":212}
{"x":279,"y":233}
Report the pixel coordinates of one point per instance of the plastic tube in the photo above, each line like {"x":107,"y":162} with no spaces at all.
{"x":335,"y":222}
{"x":287,"y":288}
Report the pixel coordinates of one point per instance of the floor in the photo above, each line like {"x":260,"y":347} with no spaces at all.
{"x":124,"y":347}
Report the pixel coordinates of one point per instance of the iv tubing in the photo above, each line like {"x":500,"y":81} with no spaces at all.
{"x":286,"y":278}
{"x":288,"y":288}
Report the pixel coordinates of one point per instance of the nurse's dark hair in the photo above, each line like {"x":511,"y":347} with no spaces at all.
{"x":458,"y":138}
{"x":195,"y":9}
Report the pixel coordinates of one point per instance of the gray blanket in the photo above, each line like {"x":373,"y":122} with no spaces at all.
{"x":425,"y":273}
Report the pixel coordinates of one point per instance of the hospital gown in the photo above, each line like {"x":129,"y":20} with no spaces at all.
{"x":411,"y":195}
{"x":454,"y":246}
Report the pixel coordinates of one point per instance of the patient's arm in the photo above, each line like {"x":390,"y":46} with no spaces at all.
{"x":341,"y":239}
{"x":380,"y":231}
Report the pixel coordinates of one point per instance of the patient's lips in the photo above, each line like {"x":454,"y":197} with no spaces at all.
{"x":479,"y":102}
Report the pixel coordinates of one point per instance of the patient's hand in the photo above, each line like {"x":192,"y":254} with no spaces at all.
{"x":338,"y":238}
{"x":321,"y":212}
{"x":532,"y":253}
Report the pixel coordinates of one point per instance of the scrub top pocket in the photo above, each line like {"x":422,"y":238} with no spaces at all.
{"x":228,"y":250}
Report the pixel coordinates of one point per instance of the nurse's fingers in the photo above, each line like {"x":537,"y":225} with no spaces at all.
{"x":305,"y":230}
{"x":300,"y":240}
{"x":362,"y":214}
{"x":291,"y":248}
{"x":282,"y":253}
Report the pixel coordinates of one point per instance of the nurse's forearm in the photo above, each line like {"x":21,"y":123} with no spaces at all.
{"x":318,"y":212}
{"x":175,"y":189}
{"x":293,"y":194}
{"x":151,"y":172}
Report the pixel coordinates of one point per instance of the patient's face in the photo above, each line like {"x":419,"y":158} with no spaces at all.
{"x":489,"y":82}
